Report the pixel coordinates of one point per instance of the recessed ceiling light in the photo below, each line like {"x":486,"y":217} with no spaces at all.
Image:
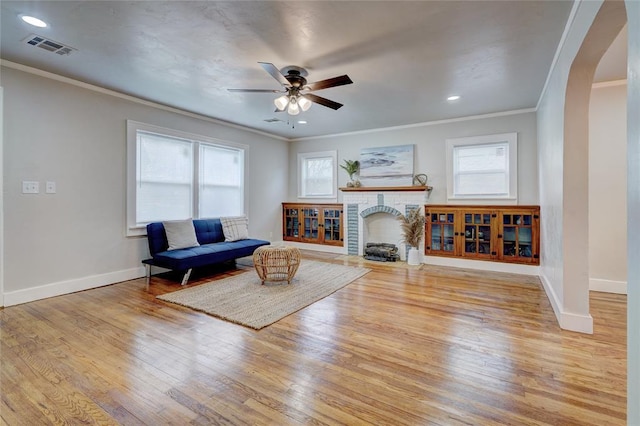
{"x":453,"y":98}
{"x":34,"y":21}
{"x":302,"y":121}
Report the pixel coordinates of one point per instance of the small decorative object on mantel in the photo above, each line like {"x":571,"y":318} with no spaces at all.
{"x":420,"y":180}
{"x":351,"y":167}
{"x":412,"y":226}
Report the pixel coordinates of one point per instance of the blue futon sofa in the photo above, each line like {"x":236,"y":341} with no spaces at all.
{"x":213,"y":248}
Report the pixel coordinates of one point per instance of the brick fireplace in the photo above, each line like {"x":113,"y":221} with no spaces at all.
{"x":361,"y":203}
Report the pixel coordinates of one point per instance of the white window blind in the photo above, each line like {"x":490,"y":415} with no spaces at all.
{"x":483,"y":167}
{"x":481,"y":170}
{"x":174,"y":175}
{"x":164,"y":180}
{"x":317,"y":175}
{"x":222,"y":178}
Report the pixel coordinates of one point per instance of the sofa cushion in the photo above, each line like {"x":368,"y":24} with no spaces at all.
{"x":206,"y":254}
{"x":180,"y":234}
{"x":208,"y":230}
{"x":235,"y":228}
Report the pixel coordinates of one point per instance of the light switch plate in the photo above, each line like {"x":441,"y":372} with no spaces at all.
{"x":50,"y":187}
{"x":30,"y":187}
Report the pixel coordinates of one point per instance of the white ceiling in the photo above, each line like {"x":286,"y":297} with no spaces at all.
{"x":405,"y":58}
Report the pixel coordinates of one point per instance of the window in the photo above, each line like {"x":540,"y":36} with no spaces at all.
{"x":174,"y":175}
{"x":317,"y":175}
{"x":483,"y":167}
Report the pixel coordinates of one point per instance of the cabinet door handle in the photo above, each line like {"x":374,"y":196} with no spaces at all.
{"x":499,"y":235}
{"x":456,"y":234}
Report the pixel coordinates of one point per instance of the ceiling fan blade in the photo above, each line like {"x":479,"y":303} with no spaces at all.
{"x":256,"y":90}
{"x":275,"y":73}
{"x":323,"y":101}
{"x":330,"y":82}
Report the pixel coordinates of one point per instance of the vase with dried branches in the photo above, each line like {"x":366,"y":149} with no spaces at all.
{"x":412,"y":226}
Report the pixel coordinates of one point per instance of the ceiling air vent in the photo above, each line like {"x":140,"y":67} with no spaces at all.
{"x":49,"y":45}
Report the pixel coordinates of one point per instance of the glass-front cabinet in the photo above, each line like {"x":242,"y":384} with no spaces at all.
{"x":477,"y":233}
{"x":332,"y":225}
{"x":291,"y":225}
{"x":498,"y":233}
{"x":518,"y":232}
{"x":440,"y":232}
{"x":312,"y":223}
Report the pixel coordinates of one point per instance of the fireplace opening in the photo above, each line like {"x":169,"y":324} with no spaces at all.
{"x":381,"y":252}
{"x":382,"y":237}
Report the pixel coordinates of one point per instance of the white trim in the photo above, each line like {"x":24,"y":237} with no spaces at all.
{"x":133,"y":229}
{"x":313,"y":247}
{"x":566,"y":320}
{"x":71,"y":286}
{"x":130,"y":98}
{"x":302,"y":157}
{"x":511,"y":139}
{"x":424,"y":124}
{"x":552,"y":296}
{"x":563,"y":39}
{"x":574,"y":322}
{"x":67,"y":80}
{"x":611,"y":83}
{"x":482,"y":265}
{"x":1,"y":198}
{"x":607,"y":286}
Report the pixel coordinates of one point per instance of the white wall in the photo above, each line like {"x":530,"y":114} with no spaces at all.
{"x":75,"y":239}
{"x":429,"y":140}
{"x":566,"y":296}
{"x":633,"y":209}
{"x":1,"y":197}
{"x":608,"y":188}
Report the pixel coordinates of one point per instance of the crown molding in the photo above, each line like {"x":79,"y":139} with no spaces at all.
{"x":102,"y":90}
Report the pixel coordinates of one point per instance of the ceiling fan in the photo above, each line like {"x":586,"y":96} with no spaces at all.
{"x":298,"y":96}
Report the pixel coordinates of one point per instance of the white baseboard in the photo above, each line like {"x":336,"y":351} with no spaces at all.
{"x":71,"y":286}
{"x":576,"y":322}
{"x":314,"y":247}
{"x":482,"y":265}
{"x":566,"y":320}
{"x":608,"y":286}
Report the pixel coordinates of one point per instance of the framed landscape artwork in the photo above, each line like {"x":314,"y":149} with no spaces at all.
{"x":387,"y":166}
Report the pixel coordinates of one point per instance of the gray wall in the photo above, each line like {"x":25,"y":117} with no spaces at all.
{"x":608,"y":188}
{"x":75,"y":239}
{"x":567,"y":296}
{"x":633,"y":209}
{"x":430,"y":150}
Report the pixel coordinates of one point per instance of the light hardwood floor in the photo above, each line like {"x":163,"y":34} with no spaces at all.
{"x":399,"y":346}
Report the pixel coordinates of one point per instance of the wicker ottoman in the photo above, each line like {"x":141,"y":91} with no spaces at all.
{"x":276,"y":263}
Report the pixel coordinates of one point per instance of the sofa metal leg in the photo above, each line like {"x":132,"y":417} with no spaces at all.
{"x":186,"y":277}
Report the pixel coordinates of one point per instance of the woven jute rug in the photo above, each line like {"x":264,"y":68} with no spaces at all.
{"x":242,"y":299}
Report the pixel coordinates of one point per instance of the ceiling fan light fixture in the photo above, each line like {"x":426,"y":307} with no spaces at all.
{"x":293,"y":108}
{"x":304,"y":103}
{"x":281,"y":102}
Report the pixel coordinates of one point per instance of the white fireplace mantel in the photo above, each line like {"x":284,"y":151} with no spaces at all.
{"x":359,"y":202}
